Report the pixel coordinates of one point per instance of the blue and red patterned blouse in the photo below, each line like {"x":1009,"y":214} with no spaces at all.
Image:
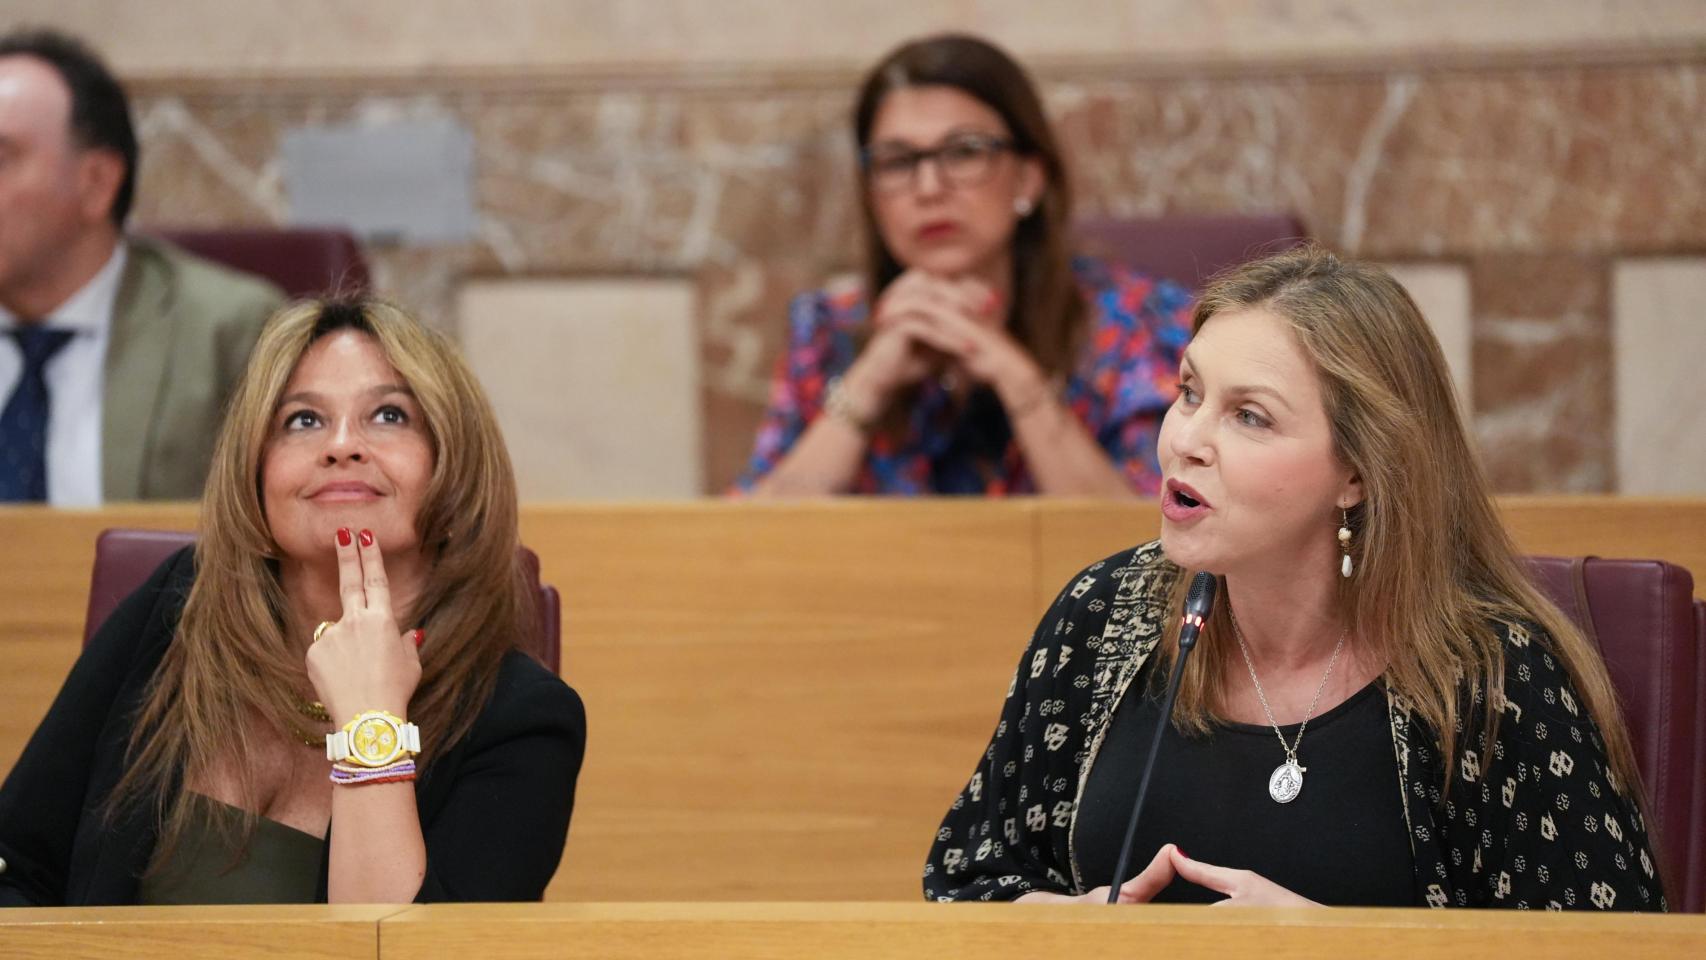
{"x":1125,"y":379}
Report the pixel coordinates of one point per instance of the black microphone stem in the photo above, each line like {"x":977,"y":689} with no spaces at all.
{"x":1201,"y":600}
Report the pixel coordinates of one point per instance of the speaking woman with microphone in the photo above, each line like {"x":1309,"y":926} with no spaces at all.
{"x":1381,"y":709}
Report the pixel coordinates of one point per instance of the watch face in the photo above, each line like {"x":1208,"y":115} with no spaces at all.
{"x":373,"y":742}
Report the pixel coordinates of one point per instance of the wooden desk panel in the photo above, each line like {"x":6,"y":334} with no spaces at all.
{"x":1646,"y":528}
{"x":45,"y":559}
{"x":773,"y":689}
{"x":1072,"y":534}
{"x":833,"y":931}
{"x":190,"y":933}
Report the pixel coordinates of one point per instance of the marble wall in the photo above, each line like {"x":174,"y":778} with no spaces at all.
{"x":322,"y":39}
{"x":1524,"y":184}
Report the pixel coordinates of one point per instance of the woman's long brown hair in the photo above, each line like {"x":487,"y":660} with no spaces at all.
{"x":228,"y":681}
{"x":1435,"y":567}
{"x":1048,"y":310}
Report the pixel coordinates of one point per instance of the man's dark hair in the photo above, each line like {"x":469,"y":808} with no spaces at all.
{"x":100,"y":112}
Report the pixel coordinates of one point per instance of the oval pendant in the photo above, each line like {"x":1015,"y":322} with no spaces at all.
{"x":1286,"y":782}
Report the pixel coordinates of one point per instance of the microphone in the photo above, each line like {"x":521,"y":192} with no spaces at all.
{"x":1197,"y":605}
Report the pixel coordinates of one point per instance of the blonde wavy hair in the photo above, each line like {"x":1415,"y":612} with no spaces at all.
{"x":1435,"y":567}
{"x":230,"y":662}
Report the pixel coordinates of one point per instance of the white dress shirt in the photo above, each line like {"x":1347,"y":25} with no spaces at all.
{"x":76,"y":381}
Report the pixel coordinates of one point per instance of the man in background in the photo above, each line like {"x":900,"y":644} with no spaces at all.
{"x":117,"y":352}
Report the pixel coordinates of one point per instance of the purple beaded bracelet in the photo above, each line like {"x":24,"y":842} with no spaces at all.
{"x":352,"y":776}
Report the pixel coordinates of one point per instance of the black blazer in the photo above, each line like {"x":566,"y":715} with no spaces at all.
{"x":494,"y":809}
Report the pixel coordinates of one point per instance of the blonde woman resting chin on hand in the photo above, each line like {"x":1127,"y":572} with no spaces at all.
{"x":324,"y":699}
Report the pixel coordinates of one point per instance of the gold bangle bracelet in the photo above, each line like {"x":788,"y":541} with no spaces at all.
{"x":837,"y":404}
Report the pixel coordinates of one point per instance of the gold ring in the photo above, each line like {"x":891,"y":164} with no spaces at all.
{"x":321,"y":629}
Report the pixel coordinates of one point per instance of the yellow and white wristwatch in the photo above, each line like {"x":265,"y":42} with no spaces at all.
{"x":374,"y":739}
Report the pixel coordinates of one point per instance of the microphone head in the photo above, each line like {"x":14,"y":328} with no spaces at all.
{"x":1201,"y":598}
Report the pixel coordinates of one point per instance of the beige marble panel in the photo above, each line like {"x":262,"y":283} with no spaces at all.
{"x":1441,"y":290}
{"x":1542,"y":352}
{"x":1658,"y":324}
{"x":388,"y":37}
{"x":595,"y":381}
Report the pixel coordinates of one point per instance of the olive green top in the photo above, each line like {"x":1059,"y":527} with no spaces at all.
{"x":280,"y":865}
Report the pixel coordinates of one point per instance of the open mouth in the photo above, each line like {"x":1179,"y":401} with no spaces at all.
{"x":1180,"y":497}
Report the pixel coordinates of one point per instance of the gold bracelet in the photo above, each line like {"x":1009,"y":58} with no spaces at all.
{"x":838,"y":404}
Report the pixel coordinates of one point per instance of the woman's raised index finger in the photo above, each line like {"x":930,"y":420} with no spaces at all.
{"x":373,"y":579}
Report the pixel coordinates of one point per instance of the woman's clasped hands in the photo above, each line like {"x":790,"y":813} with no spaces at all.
{"x":1243,"y":888}
{"x":926,"y":323}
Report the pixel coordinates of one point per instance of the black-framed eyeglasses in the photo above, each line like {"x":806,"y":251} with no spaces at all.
{"x":963,"y":160}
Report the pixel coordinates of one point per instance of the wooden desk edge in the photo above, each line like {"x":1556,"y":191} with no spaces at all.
{"x":1343,"y":918}
{"x":211,"y":914}
{"x":384,"y":915}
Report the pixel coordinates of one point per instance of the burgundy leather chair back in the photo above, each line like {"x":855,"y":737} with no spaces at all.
{"x":1648,"y":627}
{"x":124,"y":559}
{"x":1694,"y":885}
{"x":1188,"y":249}
{"x":301,"y":262}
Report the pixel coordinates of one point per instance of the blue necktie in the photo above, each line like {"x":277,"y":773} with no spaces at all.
{"x":23,"y":423}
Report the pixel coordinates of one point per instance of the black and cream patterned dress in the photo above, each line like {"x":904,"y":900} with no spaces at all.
{"x":1533,"y":820}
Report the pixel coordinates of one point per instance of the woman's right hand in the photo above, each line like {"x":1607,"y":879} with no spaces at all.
{"x":362,"y":662}
{"x":1139,"y":889}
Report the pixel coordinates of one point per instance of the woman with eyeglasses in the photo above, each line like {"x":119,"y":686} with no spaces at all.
{"x":977,"y":355}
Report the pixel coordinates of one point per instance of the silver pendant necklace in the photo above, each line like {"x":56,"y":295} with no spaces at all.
{"x":1286,"y":782}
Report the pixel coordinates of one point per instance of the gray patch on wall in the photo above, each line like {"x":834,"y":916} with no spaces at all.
{"x":399,"y":181}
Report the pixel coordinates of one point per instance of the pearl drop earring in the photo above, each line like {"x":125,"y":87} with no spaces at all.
{"x":1345,"y":543}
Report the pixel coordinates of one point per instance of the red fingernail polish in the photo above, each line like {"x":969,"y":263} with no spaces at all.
{"x":343,"y":536}
{"x":420,"y":636}
{"x":367,"y":538}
